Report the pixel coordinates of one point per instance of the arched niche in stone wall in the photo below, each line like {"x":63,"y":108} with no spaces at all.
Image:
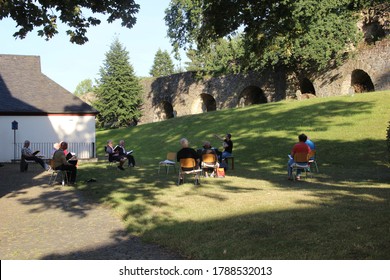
{"x":205,"y":103}
{"x":307,"y":87}
{"x":251,"y":95}
{"x":361,"y":81}
{"x":163,"y":111}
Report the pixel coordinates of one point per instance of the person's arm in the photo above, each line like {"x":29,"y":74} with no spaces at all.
{"x":27,"y":152}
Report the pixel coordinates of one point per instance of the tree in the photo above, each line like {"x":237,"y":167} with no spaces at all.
{"x":45,"y":13}
{"x":85,"y":86}
{"x":118,"y":91}
{"x":221,"y":57}
{"x":293,"y":33}
{"x":162,"y":64}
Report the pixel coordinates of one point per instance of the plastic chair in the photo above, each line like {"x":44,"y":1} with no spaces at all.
{"x":301,"y":162}
{"x":169,"y":161}
{"x":54,"y":175}
{"x":188,"y":166}
{"x":209,"y":161}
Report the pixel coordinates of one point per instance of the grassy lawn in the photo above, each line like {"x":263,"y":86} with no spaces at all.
{"x":342,"y":212}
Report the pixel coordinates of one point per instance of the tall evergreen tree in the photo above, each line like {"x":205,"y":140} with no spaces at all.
{"x":162,"y":65}
{"x":118,"y":89}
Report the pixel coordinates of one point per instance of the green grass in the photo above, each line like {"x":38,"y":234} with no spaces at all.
{"x":343,"y":212}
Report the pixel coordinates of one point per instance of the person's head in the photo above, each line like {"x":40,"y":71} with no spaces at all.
{"x":206,"y":145}
{"x":228,"y":136}
{"x":109,"y":142}
{"x":121,"y":142}
{"x":26,"y":144}
{"x":184,"y":142}
{"x":56,"y":146}
{"x":302,"y":137}
{"x":63,"y":145}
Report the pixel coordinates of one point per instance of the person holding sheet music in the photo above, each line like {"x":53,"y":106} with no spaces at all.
{"x":122,"y":152}
{"x":28,"y":154}
{"x":114,"y":155}
{"x":61,"y":163}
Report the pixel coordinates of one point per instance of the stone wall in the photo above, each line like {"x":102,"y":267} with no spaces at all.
{"x":183,"y":94}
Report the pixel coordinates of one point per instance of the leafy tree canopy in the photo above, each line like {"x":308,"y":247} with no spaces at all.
{"x":85,"y":86}
{"x":45,"y":14}
{"x":118,"y":90}
{"x":162,"y":64}
{"x":298,"y":33}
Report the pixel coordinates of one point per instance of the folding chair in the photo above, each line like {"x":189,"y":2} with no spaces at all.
{"x":209,"y":161}
{"x":312,"y":159}
{"x":301,"y":163}
{"x":54,"y":175}
{"x":169,"y":161}
{"x":188,"y":166}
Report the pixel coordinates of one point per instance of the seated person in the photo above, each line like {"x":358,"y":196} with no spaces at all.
{"x":60,"y":163}
{"x":208,"y":166}
{"x":127,"y":154}
{"x":186,"y":152}
{"x":29,"y":155}
{"x":227,"y":145}
{"x":114,"y":156}
{"x":300,"y":147}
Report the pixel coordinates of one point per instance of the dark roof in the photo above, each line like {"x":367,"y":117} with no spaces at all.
{"x":25,"y":90}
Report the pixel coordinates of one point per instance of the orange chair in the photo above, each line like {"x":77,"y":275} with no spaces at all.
{"x":209,"y":161}
{"x":301,"y":163}
{"x":188,"y":166}
{"x":169,"y":161}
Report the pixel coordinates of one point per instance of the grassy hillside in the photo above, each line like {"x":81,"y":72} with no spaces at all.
{"x":255,"y":212}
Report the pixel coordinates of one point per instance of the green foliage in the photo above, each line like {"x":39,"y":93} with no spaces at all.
{"x":162,"y":64}
{"x":293,"y":33}
{"x":223,"y":57}
{"x":84,"y":87}
{"x":118,"y":90}
{"x":45,"y":13}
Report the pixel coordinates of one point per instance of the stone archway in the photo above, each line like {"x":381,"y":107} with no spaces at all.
{"x":163,"y":111}
{"x":307,"y":87}
{"x":361,"y":81}
{"x":203,"y":103}
{"x":209,"y":103}
{"x":251,"y":95}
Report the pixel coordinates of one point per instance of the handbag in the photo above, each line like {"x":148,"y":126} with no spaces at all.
{"x":220,"y":172}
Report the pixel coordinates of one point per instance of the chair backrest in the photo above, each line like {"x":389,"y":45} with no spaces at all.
{"x":312,"y":154}
{"x":187,"y":163}
{"x":301,"y":157}
{"x":209,"y":158}
{"x":171,"y":156}
{"x":51,"y":163}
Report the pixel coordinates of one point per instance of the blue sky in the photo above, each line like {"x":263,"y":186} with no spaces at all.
{"x":68,"y":64}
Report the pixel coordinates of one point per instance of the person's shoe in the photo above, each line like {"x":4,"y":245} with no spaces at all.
{"x":120,"y":167}
{"x":289,"y":178}
{"x":298,"y":178}
{"x":181,"y":182}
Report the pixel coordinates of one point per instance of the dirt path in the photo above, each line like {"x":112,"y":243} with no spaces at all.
{"x":39,"y":221}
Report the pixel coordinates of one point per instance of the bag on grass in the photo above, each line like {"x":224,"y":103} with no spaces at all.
{"x":220,"y":172}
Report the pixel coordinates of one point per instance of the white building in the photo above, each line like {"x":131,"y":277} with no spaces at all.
{"x":45,"y":112}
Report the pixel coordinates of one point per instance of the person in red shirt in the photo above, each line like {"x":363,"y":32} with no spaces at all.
{"x":300,"y":147}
